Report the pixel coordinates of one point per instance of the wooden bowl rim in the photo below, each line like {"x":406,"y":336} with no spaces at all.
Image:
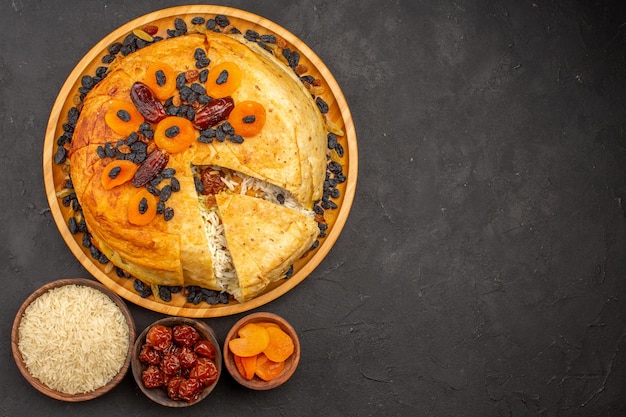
{"x":35,"y":382}
{"x":291,"y":363}
{"x":158,"y":395}
{"x":337,"y":103}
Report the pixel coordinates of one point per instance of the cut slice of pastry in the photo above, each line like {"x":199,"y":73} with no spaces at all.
{"x":264,"y":240}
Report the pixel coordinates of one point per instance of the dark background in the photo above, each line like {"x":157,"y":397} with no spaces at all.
{"x":482,"y":269}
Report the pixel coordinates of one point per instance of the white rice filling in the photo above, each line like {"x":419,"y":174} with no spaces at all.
{"x":223,"y":266}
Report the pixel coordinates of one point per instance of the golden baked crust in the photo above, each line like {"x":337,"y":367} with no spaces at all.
{"x":289,"y":152}
{"x":263,"y":238}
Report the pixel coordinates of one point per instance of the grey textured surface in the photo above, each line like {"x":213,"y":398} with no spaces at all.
{"x":482,"y":269}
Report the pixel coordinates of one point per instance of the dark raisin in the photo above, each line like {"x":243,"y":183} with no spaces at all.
{"x":203,"y":76}
{"x":227,"y":128}
{"x":204,"y":99}
{"x":168,"y":172}
{"x":210,"y":24}
{"x":101,"y":72}
{"x":121,"y":273}
{"x":318,"y":210}
{"x":268,"y":38}
{"x":172,"y":131}
{"x":165,"y":294}
{"x":166,"y":193}
{"x":280,"y":198}
{"x":205,"y":139}
{"x":114,"y":172}
{"x":203,"y":63}
{"x":198,"y":183}
{"x":61,"y":155}
{"x":198,"y":20}
{"x":334,"y":167}
{"x":332,"y":141}
{"x":67,"y":200}
{"x":107,"y":59}
{"x":94,"y":252}
{"x":100,"y":151}
{"x":181,"y":80}
{"x":175,"y":185}
{"x":153,"y":190}
{"x":115,"y":48}
{"x":143,"y":289}
{"x":294,"y":59}
{"x":249,"y":119}
{"x":103,"y":259}
{"x":307,"y":79}
{"x":339,"y":150}
{"x":236,"y":139}
{"x":168,"y":214}
{"x":252,"y":35}
{"x":222,"y":78}
{"x":335,"y":193}
{"x":198,"y":88}
{"x":86,"y":240}
{"x":143,"y":206}
{"x":289,"y":272}
{"x":69,"y":184}
{"x":73,"y":226}
{"x":123,"y":115}
{"x":160,"y":78}
{"x":314,"y":245}
{"x":180,"y":25}
{"x":220,"y":135}
{"x":222,"y":20}
{"x":322,"y":105}
{"x":199,"y":54}
{"x":160,"y":208}
{"x":72,"y":115}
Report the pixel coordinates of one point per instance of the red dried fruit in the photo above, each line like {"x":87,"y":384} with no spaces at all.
{"x":149,"y":355}
{"x":159,"y":337}
{"x":170,"y":365}
{"x":205,"y":371}
{"x":150,"y":168}
{"x":190,"y":389}
{"x":173,"y":386}
{"x":185,"y":335}
{"x":214,"y":112}
{"x":205,"y":348}
{"x":186,"y":357}
{"x":153,"y":377}
{"x":147,"y":103}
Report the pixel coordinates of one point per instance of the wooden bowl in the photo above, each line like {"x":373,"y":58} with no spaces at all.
{"x":159,"y":395}
{"x":291,"y":363}
{"x":35,"y":382}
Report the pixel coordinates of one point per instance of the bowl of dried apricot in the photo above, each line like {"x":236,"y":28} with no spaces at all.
{"x":177,"y":361}
{"x":261,"y":351}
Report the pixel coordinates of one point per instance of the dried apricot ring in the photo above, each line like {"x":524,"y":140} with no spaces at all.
{"x":161,"y":79}
{"x":280,"y":345}
{"x":223,"y":79}
{"x":267,"y":369}
{"x":117,"y":173}
{"x":252,"y":340}
{"x":174,"y":134}
{"x":247,"y":118}
{"x":142,"y":207}
{"x":123,"y":117}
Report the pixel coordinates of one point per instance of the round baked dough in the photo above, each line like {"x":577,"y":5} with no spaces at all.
{"x":289,"y":152}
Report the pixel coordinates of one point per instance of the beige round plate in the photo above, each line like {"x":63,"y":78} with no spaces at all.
{"x":338,"y":113}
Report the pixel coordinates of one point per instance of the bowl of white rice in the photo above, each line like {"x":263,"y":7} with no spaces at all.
{"x":72,"y":339}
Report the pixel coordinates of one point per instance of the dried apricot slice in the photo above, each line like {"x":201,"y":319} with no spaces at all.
{"x":174,"y":134}
{"x":280,"y":345}
{"x":117,"y":173}
{"x":252,"y":340}
{"x":161,"y":79}
{"x":249,"y":366}
{"x":267,"y":369}
{"x":123,"y":117}
{"x":223,"y":79}
{"x":142,"y":207}
{"x":247,"y":118}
